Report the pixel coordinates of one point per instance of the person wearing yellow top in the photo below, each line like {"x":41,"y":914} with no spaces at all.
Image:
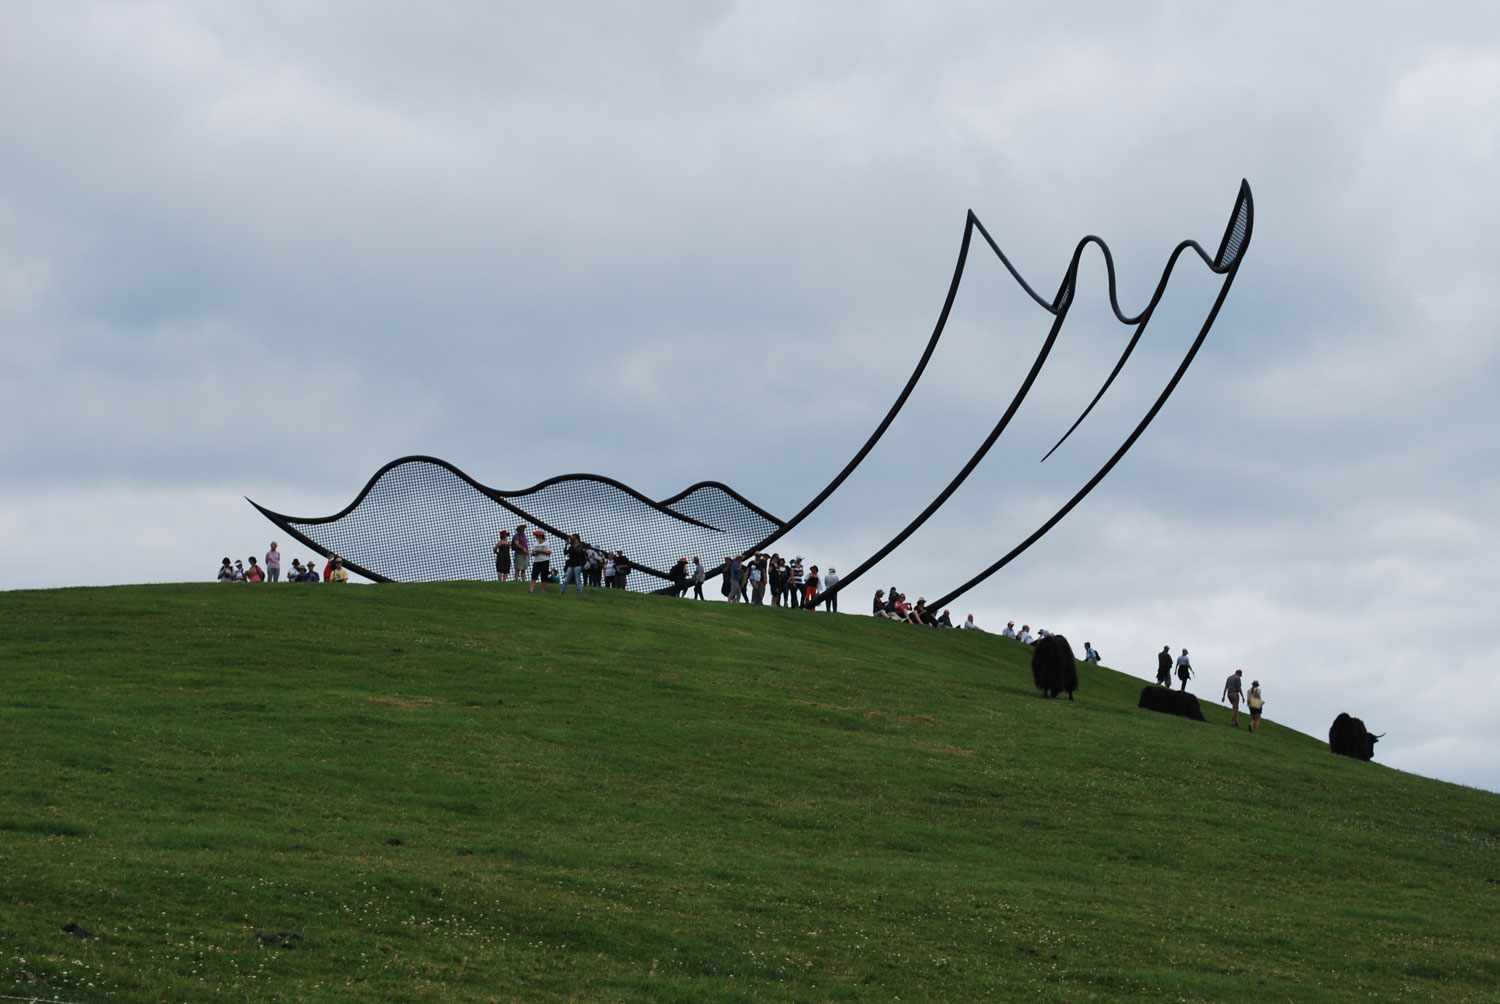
{"x":339,"y":573}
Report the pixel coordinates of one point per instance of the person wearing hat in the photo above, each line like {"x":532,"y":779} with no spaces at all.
{"x":1232,"y":695}
{"x":541,"y":561}
{"x":1010,"y":630}
{"x":1254,"y":702}
{"x":831,"y":604}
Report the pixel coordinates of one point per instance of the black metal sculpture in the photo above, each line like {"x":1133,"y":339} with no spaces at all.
{"x":421,"y":519}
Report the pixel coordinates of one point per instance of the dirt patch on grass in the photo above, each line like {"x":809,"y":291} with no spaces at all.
{"x":952,"y":751}
{"x":825,"y":707}
{"x":407,"y":702}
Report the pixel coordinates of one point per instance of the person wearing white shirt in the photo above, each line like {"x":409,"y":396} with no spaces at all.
{"x":969,"y":625}
{"x":1010,"y":628}
{"x":831,"y":604}
{"x":1089,"y":655}
{"x":1025,"y":636}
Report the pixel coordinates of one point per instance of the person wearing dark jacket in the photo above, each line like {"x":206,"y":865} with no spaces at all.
{"x":1164,"y":666}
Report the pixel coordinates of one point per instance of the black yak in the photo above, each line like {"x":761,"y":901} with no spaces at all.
{"x":1348,"y":737}
{"x":1053,"y":668}
{"x":1170,"y":702}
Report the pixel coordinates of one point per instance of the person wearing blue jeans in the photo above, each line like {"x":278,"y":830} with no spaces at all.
{"x":577,"y":557}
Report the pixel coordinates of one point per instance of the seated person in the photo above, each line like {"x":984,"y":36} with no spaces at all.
{"x":879,"y":604}
{"x":944,"y":620}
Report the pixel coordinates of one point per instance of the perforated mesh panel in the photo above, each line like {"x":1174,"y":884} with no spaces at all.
{"x":420,"y":520}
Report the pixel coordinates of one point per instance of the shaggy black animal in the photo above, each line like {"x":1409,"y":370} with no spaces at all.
{"x":1170,"y":702}
{"x":1053,"y":668}
{"x":1348,"y":737}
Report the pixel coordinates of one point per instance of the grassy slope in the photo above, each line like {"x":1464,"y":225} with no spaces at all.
{"x":638,"y":798}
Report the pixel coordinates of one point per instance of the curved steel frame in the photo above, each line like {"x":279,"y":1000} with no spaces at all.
{"x":736,"y":516}
{"x":1226,"y":262}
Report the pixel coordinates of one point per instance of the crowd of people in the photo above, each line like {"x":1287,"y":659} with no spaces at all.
{"x":333,"y":569}
{"x":528,"y":553}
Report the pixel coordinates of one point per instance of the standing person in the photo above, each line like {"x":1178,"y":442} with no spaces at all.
{"x":239,"y":571}
{"x":1255,"y":702}
{"x":1164,"y":666}
{"x":811,"y":588}
{"x":226,"y":571}
{"x":831,"y":604}
{"x":697,"y":578}
{"x":339,"y":573}
{"x":609,"y":570}
{"x":1232,"y":694}
{"x":273,"y":563}
{"x":254,"y":572}
{"x":502,"y":556}
{"x":1089,"y":655}
{"x":575,"y":556}
{"x":1184,"y":669}
{"x":541,"y":561}
{"x":521,"y":545}
{"x":679,"y":577}
{"x":622,"y":569}
{"x":776,"y":582}
{"x":758,"y":580}
{"x":733,"y":571}
{"x":795,"y":597}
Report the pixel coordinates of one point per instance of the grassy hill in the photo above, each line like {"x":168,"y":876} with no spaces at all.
{"x":462,"y":792}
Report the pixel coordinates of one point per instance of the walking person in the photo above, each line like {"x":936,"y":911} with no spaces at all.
{"x":502,"y":556}
{"x":697,"y":578}
{"x":1184,"y":669}
{"x":1090,"y":655}
{"x":575,"y":557}
{"x":1254,"y":702}
{"x":831,"y":604}
{"x":273,"y":563}
{"x":1164,"y":667}
{"x":1232,"y":695}
{"x":541,"y":562}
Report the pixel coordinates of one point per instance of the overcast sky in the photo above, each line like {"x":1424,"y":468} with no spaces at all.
{"x":260,"y":249}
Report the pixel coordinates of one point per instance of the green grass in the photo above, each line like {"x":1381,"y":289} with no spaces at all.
{"x":461,"y":792}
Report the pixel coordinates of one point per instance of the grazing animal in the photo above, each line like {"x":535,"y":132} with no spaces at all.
{"x":1170,"y":702}
{"x":1053,"y":668}
{"x":1348,"y":737}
